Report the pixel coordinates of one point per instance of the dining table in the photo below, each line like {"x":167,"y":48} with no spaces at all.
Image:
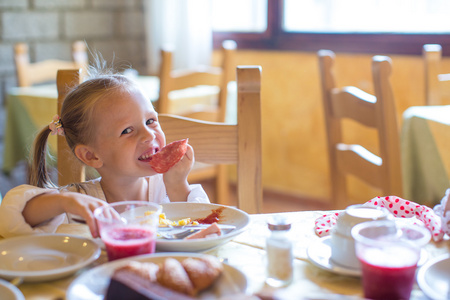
{"x":425,"y":150}
{"x":246,"y":252}
{"x":29,"y":109}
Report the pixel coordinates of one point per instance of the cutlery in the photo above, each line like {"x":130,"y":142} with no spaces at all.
{"x":178,"y":235}
{"x":200,"y":226}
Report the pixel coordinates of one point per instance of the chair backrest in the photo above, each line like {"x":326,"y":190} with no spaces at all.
{"x":213,"y":142}
{"x":172,"y":80}
{"x":437,"y":82}
{"x":240,"y":144}
{"x":45,"y":71}
{"x":70,"y":170}
{"x":377,"y":111}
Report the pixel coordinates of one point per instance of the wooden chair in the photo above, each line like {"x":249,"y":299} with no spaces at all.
{"x":437,"y":82}
{"x":70,"y":170}
{"x":377,"y":111}
{"x":172,"y":80}
{"x":213,"y":142}
{"x":29,"y":74}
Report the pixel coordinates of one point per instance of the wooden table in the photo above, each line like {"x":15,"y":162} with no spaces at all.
{"x":425,"y":148}
{"x":30,"y":109}
{"x":246,"y":252}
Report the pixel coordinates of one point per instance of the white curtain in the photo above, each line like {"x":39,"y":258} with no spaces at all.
{"x":185,"y":25}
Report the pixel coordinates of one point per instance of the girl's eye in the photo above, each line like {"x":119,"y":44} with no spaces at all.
{"x":150,"y":121}
{"x":126,"y":131}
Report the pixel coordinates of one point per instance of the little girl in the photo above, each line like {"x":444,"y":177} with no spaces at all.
{"x":111,"y":126}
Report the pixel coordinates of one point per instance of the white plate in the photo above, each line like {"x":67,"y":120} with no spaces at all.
{"x":45,"y":257}
{"x":230,"y":216}
{"x":434,"y":277}
{"x":9,"y":291}
{"x":93,"y":284}
{"x":320,"y":254}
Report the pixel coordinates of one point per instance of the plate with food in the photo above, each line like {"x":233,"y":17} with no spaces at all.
{"x":220,"y":224}
{"x":44,"y":257}
{"x":176,"y":276}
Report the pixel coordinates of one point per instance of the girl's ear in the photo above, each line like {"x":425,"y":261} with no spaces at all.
{"x":88,"y":156}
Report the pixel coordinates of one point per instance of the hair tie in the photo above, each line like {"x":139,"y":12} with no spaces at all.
{"x":56,"y":126}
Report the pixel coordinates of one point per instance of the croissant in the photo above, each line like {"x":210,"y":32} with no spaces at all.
{"x":188,"y":277}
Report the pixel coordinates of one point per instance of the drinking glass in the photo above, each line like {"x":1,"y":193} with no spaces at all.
{"x":389,"y":252}
{"x":128,"y":228}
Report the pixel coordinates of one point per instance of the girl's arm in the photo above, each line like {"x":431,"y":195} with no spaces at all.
{"x":49,"y":205}
{"x":175,"y":179}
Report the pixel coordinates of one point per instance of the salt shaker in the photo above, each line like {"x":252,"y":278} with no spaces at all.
{"x":279,"y":254}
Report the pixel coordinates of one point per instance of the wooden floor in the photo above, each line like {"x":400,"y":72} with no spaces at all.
{"x":272,"y":201}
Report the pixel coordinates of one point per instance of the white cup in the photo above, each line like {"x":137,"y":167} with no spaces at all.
{"x":342,"y":242}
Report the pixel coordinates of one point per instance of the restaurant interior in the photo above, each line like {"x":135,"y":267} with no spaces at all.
{"x":296,"y":168}
{"x":294,"y":145}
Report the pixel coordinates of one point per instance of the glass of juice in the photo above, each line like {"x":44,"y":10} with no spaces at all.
{"x":128,"y":228}
{"x":389,"y":252}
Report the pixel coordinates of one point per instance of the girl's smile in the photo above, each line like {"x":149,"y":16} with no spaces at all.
{"x":146,"y":156}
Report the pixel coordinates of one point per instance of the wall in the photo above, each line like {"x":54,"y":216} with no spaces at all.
{"x":295,"y":159}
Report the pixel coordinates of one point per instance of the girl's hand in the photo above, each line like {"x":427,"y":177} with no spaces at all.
{"x":83,"y":206}
{"x":175,"y":179}
{"x":49,"y":205}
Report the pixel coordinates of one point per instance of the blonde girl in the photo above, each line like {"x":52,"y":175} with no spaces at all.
{"x":112,"y":127}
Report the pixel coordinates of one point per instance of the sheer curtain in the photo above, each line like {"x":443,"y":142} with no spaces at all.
{"x":185,"y":25}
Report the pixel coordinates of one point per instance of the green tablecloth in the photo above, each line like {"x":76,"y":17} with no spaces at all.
{"x":425,"y":148}
{"x":27,"y":111}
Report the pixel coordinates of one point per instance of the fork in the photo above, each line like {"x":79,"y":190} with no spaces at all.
{"x":178,"y":235}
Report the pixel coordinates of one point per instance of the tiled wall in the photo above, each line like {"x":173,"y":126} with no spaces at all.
{"x":115,"y":28}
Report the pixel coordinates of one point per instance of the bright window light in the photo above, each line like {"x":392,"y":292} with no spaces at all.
{"x":367,"y":16}
{"x":239,"y":15}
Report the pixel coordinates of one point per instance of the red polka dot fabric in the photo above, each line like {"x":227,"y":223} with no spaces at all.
{"x":399,"y":207}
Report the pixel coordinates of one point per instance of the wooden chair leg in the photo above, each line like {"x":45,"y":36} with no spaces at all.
{"x":222,"y":185}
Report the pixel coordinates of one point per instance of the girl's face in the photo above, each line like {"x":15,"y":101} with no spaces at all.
{"x":126,"y":132}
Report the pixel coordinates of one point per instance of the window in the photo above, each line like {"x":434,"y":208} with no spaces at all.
{"x":240,"y":15}
{"x":368,"y":26}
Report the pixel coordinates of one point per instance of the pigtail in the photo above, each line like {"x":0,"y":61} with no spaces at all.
{"x":38,"y":174}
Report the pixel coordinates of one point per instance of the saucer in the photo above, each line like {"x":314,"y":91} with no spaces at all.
{"x":319,"y":254}
{"x":433,"y":277}
{"x":8,"y":291}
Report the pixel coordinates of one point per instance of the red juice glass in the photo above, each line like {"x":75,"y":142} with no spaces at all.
{"x":389,"y":252}
{"x":128,"y":228}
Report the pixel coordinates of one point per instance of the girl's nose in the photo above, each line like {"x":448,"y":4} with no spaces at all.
{"x":148,"y":135}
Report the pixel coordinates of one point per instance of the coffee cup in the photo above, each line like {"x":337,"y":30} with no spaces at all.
{"x":342,"y":242}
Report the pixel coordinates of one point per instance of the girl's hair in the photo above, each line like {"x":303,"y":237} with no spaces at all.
{"x":77,"y":116}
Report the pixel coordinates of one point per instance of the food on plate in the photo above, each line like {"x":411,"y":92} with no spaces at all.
{"x":163,"y":221}
{"x":144,"y":270}
{"x":173,"y":278}
{"x":128,"y":284}
{"x":168,"y":156}
{"x":202,"y":272}
{"x":211,"y":231}
{"x":213,"y":217}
